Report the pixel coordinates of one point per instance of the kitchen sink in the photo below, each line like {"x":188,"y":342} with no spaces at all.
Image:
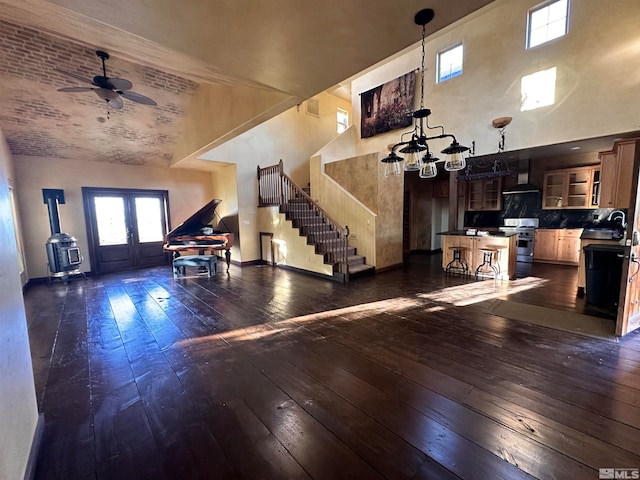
{"x":600,"y":234}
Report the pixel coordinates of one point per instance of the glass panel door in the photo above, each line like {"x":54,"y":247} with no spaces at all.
{"x":127,"y":228}
{"x":475,"y":195}
{"x":578,"y":192}
{"x":554,"y":190}
{"x":149,"y":219}
{"x":492,"y":194}
{"x":111,"y":220}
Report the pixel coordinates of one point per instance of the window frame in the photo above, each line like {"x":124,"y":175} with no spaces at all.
{"x":339,"y":124}
{"x":539,"y":7}
{"x":439,"y":78}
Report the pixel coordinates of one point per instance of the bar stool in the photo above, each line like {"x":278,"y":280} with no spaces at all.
{"x":489,"y":267}
{"x":458,"y":264}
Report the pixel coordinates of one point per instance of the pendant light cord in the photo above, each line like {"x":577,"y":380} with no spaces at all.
{"x":424,"y":30}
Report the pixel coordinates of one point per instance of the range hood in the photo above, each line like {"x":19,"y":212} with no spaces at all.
{"x":523,"y":185}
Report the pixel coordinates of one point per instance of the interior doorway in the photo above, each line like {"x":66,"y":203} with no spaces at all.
{"x":125,"y":228}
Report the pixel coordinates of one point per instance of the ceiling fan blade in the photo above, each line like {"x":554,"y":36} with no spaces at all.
{"x":75,"y":89}
{"x":73,"y":75}
{"x":112,"y":83}
{"x":120,"y":83}
{"x":136,"y":97}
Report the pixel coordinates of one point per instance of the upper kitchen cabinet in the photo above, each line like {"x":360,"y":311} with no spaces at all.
{"x":485,"y":194}
{"x":571,"y":188}
{"x":617,"y":175}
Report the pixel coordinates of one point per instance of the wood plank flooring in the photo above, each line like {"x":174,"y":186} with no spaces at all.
{"x":272,"y":374}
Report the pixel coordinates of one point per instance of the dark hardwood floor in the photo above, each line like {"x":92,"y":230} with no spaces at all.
{"x":272,"y":374}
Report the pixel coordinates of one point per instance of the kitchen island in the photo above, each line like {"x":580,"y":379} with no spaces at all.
{"x":471,"y":246}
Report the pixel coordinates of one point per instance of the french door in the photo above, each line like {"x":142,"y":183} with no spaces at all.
{"x":125,"y":228}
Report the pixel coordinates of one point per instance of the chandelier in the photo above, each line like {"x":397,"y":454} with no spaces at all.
{"x":418,"y":157}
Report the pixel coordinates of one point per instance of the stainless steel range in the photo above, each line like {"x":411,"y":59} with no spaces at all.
{"x":525,"y":228}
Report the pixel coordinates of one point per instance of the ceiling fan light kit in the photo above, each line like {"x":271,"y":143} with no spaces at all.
{"x":111,"y":90}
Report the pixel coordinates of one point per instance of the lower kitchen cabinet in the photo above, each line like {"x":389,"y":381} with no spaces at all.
{"x":471,"y":246}
{"x":557,"y":245}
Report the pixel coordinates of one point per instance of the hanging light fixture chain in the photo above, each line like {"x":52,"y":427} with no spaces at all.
{"x":424,"y":30}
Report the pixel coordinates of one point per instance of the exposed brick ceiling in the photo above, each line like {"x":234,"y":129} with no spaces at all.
{"x":40,"y":121}
{"x":167,"y":50}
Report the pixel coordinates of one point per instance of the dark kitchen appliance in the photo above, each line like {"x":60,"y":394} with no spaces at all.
{"x":525,"y":228}
{"x":603,"y":265}
{"x":63,"y":254}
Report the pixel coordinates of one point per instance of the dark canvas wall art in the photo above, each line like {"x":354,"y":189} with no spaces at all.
{"x":388,"y":106}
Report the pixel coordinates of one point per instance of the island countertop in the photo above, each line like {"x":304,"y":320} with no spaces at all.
{"x":472,"y":250}
{"x":463,"y":233}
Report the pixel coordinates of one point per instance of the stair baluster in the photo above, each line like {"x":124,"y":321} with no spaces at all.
{"x":275,"y":188}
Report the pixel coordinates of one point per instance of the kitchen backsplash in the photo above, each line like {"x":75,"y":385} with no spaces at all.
{"x":528,"y":205}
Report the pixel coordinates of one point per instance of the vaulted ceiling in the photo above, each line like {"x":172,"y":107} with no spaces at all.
{"x":215,"y":69}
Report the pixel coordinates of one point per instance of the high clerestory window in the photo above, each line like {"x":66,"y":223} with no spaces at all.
{"x":450,"y":63}
{"x":547,"y":21}
{"x":343,"y":120}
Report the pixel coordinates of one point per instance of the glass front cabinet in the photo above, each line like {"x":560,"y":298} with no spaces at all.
{"x":571,"y":188}
{"x":485,"y":194}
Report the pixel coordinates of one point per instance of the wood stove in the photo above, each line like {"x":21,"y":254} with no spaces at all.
{"x":63,"y":254}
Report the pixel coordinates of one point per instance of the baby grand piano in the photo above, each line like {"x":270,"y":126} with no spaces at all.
{"x":197,"y":233}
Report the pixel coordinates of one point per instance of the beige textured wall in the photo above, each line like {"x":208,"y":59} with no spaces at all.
{"x":188,"y":191}
{"x":290,"y":248}
{"x":219,"y":112}
{"x":375,"y":231}
{"x":292,"y":136}
{"x":389,"y":227}
{"x":346,"y":209}
{"x":225,"y":188}
{"x":596,"y":92}
{"x":18,"y":409}
{"x":359,"y":176}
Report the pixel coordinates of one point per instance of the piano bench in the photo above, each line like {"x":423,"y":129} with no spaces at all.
{"x":208,"y":261}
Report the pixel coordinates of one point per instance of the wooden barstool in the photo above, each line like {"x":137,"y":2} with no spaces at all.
{"x":490,"y":265}
{"x":458,"y":264}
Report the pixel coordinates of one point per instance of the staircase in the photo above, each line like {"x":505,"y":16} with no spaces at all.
{"x":329,"y":238}
{"x":304,"y":217}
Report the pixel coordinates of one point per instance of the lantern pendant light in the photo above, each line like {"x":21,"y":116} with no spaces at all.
{"x":414,"y":147}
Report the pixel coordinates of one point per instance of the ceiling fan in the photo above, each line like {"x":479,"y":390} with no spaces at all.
{"x":111,"y":90}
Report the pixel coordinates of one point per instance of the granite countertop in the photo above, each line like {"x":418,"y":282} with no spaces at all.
{"x":600,"y":234}
{"x":463,"y":233}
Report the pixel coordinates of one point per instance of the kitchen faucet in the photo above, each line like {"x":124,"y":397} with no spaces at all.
{"x":621,"y":213}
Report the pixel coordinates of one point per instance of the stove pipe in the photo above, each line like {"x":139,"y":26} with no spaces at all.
{"x":53,"y":197}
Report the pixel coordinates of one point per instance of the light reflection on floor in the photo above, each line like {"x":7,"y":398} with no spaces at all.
{"x":475,"y":292}
{"x":460,"y":295}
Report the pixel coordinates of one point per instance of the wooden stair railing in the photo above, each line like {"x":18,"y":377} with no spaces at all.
{"x":275,"y":188}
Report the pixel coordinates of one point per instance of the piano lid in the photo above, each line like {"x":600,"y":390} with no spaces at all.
{"x":194,"y":224}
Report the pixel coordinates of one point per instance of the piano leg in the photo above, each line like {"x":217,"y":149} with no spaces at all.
{"x":227,"y":255}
